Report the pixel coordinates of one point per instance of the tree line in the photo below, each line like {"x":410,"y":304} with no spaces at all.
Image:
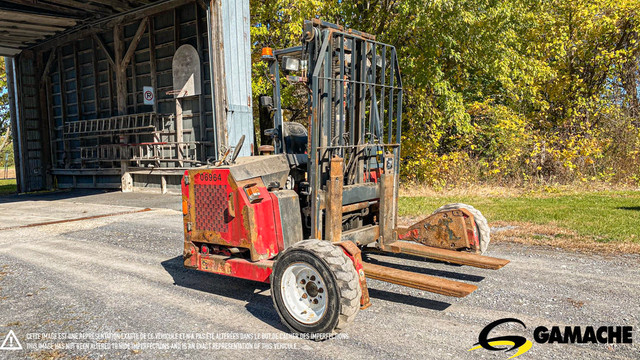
{"x":501,"y":92}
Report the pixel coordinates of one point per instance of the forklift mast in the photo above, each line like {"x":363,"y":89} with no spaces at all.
{"x":354,"y":121}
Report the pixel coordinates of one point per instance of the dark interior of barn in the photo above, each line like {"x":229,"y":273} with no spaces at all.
{"x":119,"y":93}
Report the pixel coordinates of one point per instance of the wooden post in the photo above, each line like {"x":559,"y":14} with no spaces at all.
{"x":152,"y":63}
{"x":77,"y":80}
{"x":216,"y":57}
{"x":121,"y":71}
{"x":45,"y":116}
{"x":63,"y":109}
{"x":122,"y":60}
{"x":96,"y":78}
{"x":126,"y":181}
{"x":201,"y":107}
{"x":179,"y":131}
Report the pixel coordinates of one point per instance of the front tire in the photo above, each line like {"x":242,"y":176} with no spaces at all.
{"x":315,"y":288}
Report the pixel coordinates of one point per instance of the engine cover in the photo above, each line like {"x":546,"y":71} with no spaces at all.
{"x":229,"y":209}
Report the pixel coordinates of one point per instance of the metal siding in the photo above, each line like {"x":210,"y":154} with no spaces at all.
{"x":30,"y":126}
{"x":237,"y":56}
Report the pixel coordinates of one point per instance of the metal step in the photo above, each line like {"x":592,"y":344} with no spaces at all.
{"x":450,"y":256}
{"x":418,"y":281}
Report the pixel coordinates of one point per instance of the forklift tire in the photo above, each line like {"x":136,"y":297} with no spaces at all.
{"x":315,"y":288}
{"x":482,"y":226}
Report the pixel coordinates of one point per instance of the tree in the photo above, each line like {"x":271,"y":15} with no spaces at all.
{"x":5,"y":123}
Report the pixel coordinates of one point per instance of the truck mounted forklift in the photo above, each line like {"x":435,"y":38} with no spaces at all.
{"x":300,"y":214}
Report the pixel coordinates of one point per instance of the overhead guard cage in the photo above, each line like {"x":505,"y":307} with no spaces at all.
{"x":356,"y":91}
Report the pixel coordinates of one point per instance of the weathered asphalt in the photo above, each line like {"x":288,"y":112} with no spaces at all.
{"x":119,"y":282}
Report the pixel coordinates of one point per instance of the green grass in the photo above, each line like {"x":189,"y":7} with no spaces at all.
{"x":7,"y":186}
{"x":608,"y":216}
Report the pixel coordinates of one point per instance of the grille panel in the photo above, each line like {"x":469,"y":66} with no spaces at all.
{"x":211,"y":205}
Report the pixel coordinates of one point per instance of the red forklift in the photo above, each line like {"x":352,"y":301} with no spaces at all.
{"x":300,"y":214}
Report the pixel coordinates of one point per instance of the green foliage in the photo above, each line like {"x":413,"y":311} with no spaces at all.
{"x":8,"y":186}
{"x":4,"y":98}
{"x":512,"y":91}
{"x":5,"y":131}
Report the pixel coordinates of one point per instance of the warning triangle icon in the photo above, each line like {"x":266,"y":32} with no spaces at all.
{"x":11,"y":342}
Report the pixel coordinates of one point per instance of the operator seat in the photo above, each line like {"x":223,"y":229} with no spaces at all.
{"x":295,"y":138}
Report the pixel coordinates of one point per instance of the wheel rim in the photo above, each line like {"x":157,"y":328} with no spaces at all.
{"x":304,"y":293}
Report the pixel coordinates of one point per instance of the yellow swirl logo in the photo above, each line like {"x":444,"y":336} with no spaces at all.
{"x":511,"y":342}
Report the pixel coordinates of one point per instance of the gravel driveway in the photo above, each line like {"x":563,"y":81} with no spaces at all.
{"x":114,"y":287}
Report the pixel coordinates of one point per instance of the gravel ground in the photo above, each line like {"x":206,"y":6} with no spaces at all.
{"x":119,"y":282}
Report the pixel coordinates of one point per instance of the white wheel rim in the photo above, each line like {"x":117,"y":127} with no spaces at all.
{"x":304,"y":293}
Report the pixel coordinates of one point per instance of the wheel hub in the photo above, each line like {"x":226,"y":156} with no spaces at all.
{"x":311,"y":289}
{"x":303,"y":292}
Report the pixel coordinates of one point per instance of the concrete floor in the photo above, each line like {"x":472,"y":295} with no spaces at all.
{"x":114,"y":287}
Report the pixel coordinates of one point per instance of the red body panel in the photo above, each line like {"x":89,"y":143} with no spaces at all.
{"x":219,"y":214}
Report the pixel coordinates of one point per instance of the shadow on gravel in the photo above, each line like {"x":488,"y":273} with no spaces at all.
{"x":101,"y":197}
{"x":407,"y":299}
{"x":258,"y":304}
{"x":51,"y":195}
{"x":422,"y":270}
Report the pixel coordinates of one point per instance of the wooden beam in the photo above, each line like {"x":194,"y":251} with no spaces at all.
{"x":47,"y":66}
{"x":9,"y":51}
{"x":152,"y":63}
{"x":63,"y":11}
{"x":19,"y":16}
{"x":217,"y":76}
{"x":100,"y":43}
{"x":121,"y":71}
{"x":134,"y":86}
{"x":109,"y":23}
{"x":82,"y":5}
{"x":76,"y":67}
{"x":14,"y":43}
{"x":96,"y":78}
{"x":145,"y":12}
{"x":18,"y":39}
{"x":117,"y":5}
{"x":27,"y":33}
{"x":201,"y":98}
{"x":63,"y":109}
{"x":176,"y":31}
{"x":134,"y":42}
{"x":44,"y":117}
{"x":6,"y":24}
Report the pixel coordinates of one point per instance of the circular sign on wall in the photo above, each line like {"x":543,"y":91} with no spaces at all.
{"x":148,"y":95}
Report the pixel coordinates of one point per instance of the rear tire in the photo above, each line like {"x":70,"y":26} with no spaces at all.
{"x":482,"y":226}
{"x":315,"y":288}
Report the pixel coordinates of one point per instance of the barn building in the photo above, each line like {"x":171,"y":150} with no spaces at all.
{"x":122,"y":93}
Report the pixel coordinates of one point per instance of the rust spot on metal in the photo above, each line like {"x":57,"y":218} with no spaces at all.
{"x":445,"y":230}
{"x":76,"y":219}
